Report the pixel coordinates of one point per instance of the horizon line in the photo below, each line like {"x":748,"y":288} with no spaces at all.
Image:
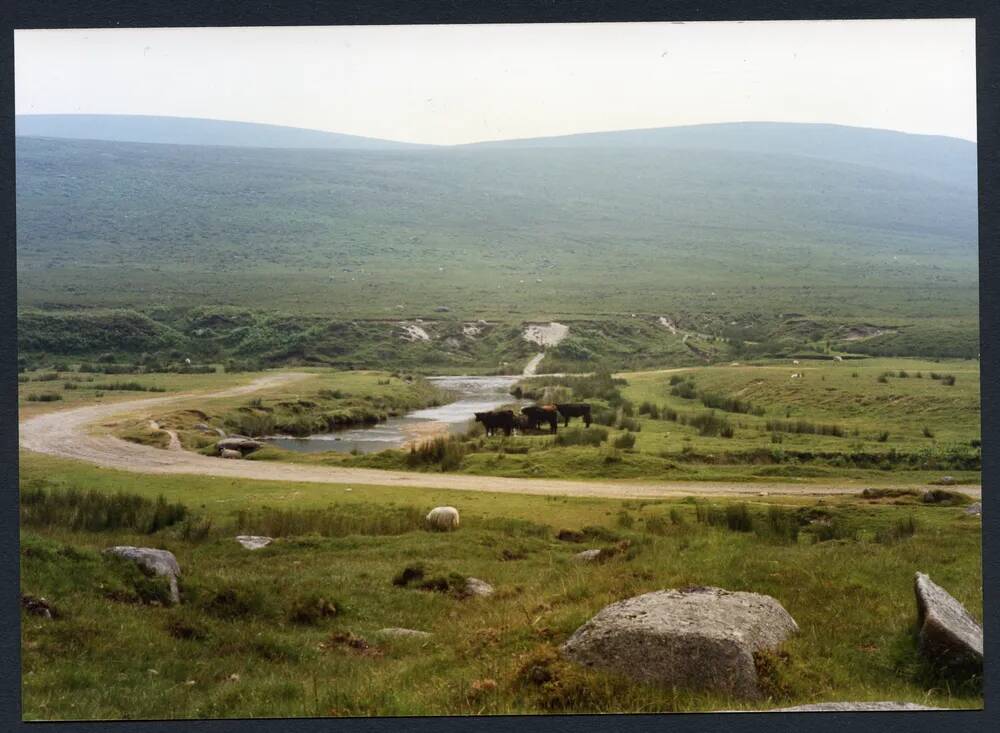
{"x":485,"y":141}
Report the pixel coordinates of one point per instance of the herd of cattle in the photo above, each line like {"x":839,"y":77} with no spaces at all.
{"x":532,"y":417}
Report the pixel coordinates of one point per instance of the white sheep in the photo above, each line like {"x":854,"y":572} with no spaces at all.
{"x":443,"y":518}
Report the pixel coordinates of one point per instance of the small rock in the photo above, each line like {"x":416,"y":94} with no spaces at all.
{"x":253,"y":542}
{"x":477,"y":587}
{"x":232,"y":454}
{"x":239,"y":443}
{"x":836,"y":707}
{"x":400,"y":633}
{"x":975,"y":509}
{"x":588,"y":556}
{"x":159,"y":562}
{"x":698,"y":638}
{"x":948,"y":634}
{"x":442,"y":309}
{"x":947,"y":481}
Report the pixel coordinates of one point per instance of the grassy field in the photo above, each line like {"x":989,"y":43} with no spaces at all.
{"x":275,"y":632}
{"x":292,"y":629}
{"x":855,"y":421}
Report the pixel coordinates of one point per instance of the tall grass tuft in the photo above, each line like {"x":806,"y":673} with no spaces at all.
{"x":581,"y":436}
{"x":444,"y":451}
{"x":94,"y":511}
{"x":334,"y":521}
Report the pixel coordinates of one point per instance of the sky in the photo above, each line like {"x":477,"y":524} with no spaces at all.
{"x":454,"y":84}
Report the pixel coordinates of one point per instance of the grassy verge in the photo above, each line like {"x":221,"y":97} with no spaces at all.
{"x":291,"y":630}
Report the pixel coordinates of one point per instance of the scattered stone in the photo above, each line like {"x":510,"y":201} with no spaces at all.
{"x":348,"y":641}
{"x":946,"y":481}
{"x":233,"y":454}
{"x":443,"y":518}
{"x":239,"y":443}
{"x":159,"y":562}
{"x":837,"y":707}
{"x":37,"y":606}
{"x":948,"y":634}
{"x":975,"y":509}
{"x":442,"y":309}
{"x":478,"y":588}
{"x":253,"y":542}
{"x":699,"y":638}
{"x":588,"y":556}
{"x":400,"y":633}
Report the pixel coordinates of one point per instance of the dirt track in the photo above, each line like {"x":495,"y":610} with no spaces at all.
{"x":66,"y":433}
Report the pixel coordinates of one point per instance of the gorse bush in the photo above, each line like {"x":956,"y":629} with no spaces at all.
{"x":93,"y":511}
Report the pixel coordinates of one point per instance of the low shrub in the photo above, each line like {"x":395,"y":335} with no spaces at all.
{"x":312,"y":608}
{"x":625,"y":441}
{"x":592,"y":436}
{"x":44,"y":397}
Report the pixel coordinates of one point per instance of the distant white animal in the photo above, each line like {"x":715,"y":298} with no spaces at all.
{"x":228,"y":453}
{"x":443,"y":518}
{"x":795,"y":361}
{"x":187,"y":361}
{"x":796,"y":375}
{"x":838,"y":358}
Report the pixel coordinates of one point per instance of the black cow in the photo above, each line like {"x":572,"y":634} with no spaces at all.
{"x":538,"y":414}
{"x":574,"y":409}
{"x":503,"y":419}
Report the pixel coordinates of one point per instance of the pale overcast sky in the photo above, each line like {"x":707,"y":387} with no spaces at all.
{"x":455,"y":84}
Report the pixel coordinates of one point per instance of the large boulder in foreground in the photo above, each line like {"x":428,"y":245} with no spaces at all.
{"x":157,"y":562}
{"x":846,"y":707}
{"x":949,"y":636}
{"x":697,"y":638}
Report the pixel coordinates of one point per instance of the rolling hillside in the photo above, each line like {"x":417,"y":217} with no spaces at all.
{"x":716,"y":224}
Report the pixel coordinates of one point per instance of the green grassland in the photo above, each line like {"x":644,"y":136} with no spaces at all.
{"x":269,"y":633}
{"x":854,"y":421}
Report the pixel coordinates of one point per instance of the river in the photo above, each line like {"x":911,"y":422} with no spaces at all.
{"x":475,"y":394}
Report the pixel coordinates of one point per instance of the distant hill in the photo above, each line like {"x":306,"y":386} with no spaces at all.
{"x":943,"y":158}
{"x":193,"y":131}
{"x":490,"y":230}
